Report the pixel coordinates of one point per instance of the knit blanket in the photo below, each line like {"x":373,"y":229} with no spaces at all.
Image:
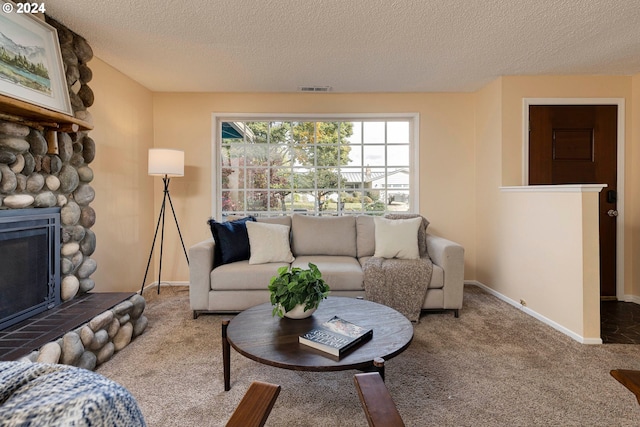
{"x":38,"y":394}
{"x":400,"y":283}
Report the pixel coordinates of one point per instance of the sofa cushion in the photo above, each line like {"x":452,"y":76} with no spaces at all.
{"x":232,"y":240}
{"x":437,"y":278}
{"x":422,"y":231}
{"x":342,"y":273}
{"x":323,"y":235}
{"x":282,"y":220}
{"x":268,"y":243}
{"x":366,"y":238}
{"x":241,"y":275}
{"x":397,"y":238}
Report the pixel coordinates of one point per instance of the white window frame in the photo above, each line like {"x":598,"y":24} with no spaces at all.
{"x":216,"y":130}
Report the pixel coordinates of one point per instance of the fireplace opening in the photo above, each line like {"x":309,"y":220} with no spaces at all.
{"x":29,"y":263}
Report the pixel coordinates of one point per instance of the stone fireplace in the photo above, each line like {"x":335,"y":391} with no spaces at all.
{"x":36,"y":175}
{"x":45,"y":172}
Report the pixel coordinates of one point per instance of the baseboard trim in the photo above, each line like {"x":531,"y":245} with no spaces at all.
{"x":164,"y":284}
{"x":535,"y":314}
{"x":632,"y":298}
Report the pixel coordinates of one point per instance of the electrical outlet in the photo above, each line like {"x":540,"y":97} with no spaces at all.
{"x":523,"y":303}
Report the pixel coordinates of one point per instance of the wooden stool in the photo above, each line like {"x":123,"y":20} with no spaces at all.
{"x":376,"y":401}
{"x":255,"y":407}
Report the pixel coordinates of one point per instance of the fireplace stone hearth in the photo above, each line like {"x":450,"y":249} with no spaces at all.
{"x":98,"y":325}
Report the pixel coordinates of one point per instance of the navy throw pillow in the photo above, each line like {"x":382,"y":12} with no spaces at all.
{"x":232,"y":240}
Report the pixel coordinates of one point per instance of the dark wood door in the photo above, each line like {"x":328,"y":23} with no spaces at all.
{"x":577,"y":144}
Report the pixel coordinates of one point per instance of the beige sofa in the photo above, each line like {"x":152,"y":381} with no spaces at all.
{"x":338,"y":245}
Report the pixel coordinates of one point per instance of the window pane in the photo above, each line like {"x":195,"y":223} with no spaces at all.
{"x":303,"y":155}
{"x":225,"y":155}
{"x":232,"y":201}
{"x":327,"y":200}
{"x":229,"y":153}
{"x":277,"y":201}
{"x":398,"y":132}
{"x":257,"y":200}
{"x":351,"y":155}
{"x":279,"y":155}
{"x":374,"y":178}
{"x":303,"y":201}
{"x":231,"y":178}
{"x":374,"y":155}
{"x":257,"y":155}
{"x":327,"y":155}
{"x":232,"y":132}
{"x":303,"y":179}
{"x":373,"y":133}
{"x":256,"y":178}
{"x":254,"y":132}
{"x":280,"y":178}
{"x":376,"y":207}
{"x":327,"y":178}
{"x":351,"y":201}
{"x":398,"y":201}
{"x":397,"y":155}
{"x":351,"y":178}
{"x":303,"y":133}
{"x":398,"y":178}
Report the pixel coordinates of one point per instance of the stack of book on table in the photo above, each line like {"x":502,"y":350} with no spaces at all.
{"x":336,"y":336}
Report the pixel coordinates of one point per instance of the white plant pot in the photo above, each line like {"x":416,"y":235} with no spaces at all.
{"x":298,"y":312}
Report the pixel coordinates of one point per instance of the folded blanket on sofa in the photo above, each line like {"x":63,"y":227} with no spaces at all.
{"x":398,"y":283}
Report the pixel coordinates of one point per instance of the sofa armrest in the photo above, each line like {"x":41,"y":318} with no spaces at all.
{"x":450,"y":256}
{"x":200,"y":266}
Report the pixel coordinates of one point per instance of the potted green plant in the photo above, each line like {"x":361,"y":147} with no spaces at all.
{"x":297,"y":292}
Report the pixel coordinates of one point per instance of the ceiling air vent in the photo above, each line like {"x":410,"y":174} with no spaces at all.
{"x":314,"y":88}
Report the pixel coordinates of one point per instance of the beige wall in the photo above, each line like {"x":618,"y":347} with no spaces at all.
{"x":488,"y":166}
{"x":499,"y":144}
{"x":632,"y":217}
{"x":447,"y":196}
{"x":470,"y":145}
{"x":123,"y":118}
{"x":516,"y":88}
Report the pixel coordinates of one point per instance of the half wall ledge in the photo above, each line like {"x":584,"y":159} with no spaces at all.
{"x":564,"y":188}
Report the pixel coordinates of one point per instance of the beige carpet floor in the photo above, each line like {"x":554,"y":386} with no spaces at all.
{"x":493,"y":366}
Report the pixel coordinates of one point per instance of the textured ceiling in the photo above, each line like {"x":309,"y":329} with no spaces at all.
{"x":354,"y":45}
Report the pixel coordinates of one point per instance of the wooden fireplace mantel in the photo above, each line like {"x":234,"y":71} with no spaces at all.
{"x":18,"y":111}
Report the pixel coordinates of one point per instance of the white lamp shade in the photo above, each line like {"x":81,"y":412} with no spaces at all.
{"x":165,"y":161}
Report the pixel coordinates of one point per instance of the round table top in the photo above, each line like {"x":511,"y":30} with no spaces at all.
{"x":268,"y":339}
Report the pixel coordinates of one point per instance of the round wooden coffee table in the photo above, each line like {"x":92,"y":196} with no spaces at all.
{"x":258,"y":335}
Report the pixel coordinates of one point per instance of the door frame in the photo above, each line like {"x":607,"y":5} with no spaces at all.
{"x":620,"y":103}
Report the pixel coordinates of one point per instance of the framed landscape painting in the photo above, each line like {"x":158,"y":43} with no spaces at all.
{"x":30,"y":61}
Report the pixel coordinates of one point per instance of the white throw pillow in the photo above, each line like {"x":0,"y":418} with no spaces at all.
{"x":396,"y":238}
{"x":269,"y":243}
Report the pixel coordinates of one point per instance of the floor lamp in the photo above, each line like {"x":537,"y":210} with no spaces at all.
{"x":166,"y":163}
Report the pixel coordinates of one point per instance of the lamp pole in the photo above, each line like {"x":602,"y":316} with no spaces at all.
{"x":166,"y":163}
